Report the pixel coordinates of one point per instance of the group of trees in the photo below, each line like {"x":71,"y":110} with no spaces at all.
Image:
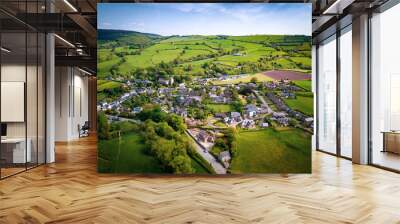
{"x":165,"y":139}
{"x":113,"y":93}
{"x":136,"y":101}
{"x":228,"y":142}
{"x":106,"y":131}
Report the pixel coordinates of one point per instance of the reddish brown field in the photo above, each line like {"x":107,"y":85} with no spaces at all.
{"x":278,"y":75}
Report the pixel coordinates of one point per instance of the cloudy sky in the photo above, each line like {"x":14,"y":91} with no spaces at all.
{"x":207,"y":19}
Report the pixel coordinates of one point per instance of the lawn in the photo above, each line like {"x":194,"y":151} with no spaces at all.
{"x":271,"y":151}
{"x":246,"y":79}
{"x":303,"y":104}
{"x":221,"y":108}
{"x":126,"y":156}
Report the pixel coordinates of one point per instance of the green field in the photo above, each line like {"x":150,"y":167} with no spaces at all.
{"x":271,"y":151}
{"x":129,"y":156}
{"x":303,"y":104}
{"x":124,"y":54}
{"x":221,"y":108}
{"x":126,"y":156}
{"x":305,"y":84}
{"x":103,"y":84}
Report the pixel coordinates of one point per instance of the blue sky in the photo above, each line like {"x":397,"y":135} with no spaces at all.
{"x":207,"y":19}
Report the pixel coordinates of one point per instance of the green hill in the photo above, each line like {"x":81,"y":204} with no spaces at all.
{"x":121,"y":53}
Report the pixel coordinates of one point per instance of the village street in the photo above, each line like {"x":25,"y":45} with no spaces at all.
{"x":265,"y":104}
{"x":218,"y":168}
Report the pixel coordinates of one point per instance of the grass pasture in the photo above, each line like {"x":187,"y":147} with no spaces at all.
{"x":305,"y":84}
{"x":303,"y":104}
{"x":103,"y":85}
{"x":126,"y":156}
{"x":272,"y":151}
{"x":188,"y":49}
{"x":246,"y":79}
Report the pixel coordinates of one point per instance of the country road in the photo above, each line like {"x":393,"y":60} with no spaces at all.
{"x":265,"y":104}
{"x":218,"y":168}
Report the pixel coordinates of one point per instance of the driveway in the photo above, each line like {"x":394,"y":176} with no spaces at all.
{"x":218,"y":168}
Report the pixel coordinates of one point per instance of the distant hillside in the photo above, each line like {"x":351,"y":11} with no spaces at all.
{"x":123,"y":37}
{"x":117,"y":34}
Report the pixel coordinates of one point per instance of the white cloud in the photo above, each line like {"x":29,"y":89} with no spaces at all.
{"x":106,"y":24}
{"x":244,"y":14}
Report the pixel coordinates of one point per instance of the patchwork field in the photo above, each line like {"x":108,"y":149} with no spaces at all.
{"x":122,"y":52}
{"x":173,"y":81}
{"x":272,"y":151}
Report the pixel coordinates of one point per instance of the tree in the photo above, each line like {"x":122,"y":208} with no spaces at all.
{"x":176,"y":122}
{"x":254,"y":80}
{"x":230,"y":134}
{"x":219,"y":142}
{"x":103,"y":126}
{"x":181,"y":164}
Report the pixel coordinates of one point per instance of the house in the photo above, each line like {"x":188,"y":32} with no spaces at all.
{"x":264,"y":125}
{"x":220,"y":115}
{"x":204,"y":136}
{"x":227,"y":119}
{"x":264,"y":110}
{"x":181,"y":112}
{"x":251,"y":110}
{"x":278,"y":114}
{"x":225,"y":157}
{"x":309,"y":120}
{"x":166,"y":82}
{"x":284,"y":121}
{"x":288,"y":95}
{"x":219,"y":99}
{"x":235,"y":114}
{"x":270,"y":85}
{"x":248,"y":123}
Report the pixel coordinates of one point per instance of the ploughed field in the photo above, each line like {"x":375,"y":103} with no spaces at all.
{"x":291,"y":75}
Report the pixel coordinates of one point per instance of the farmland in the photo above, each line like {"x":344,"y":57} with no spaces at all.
{"x":273,"y":151}
{"x":198,"y":55}
{"x":127,"y":155}
{"x":204,"y":104}
{"x":258,"y":77}
{"x":303,"y":104}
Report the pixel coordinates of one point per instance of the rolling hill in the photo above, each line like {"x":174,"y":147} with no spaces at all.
{"x":121,"y":53}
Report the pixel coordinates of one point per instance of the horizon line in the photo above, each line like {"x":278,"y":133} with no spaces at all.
{"x":202,"y":34}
